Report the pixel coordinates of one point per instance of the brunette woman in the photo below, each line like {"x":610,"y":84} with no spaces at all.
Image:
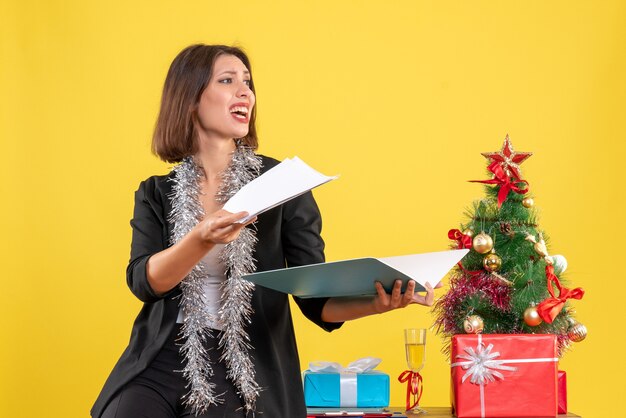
{"x":206,"y":342}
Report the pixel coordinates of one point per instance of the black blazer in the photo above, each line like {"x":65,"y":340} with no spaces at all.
{"x":289,"y":235}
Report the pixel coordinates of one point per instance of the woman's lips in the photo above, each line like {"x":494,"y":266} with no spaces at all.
{"x":240,"y":118}
{"x":239,"y":111}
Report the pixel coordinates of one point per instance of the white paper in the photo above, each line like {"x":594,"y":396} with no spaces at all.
{"x":426,"y":267}
{"x":281,"y":183}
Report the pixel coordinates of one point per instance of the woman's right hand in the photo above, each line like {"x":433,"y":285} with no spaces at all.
{"x":221,"y":227}
{"x":167,"y":268}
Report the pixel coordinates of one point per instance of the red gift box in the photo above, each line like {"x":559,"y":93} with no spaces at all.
{"x":504,"y":375}
{"x":562,"y":388}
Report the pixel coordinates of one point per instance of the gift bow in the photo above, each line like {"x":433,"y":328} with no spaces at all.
{"x":481,"y":365}
{"x":361,"y":365}
{"x":347,"y":376}
{"x":552,"y":306}
{"x":414,"y":387}
{"x":502,"y":179}
{"x":465,"y":241}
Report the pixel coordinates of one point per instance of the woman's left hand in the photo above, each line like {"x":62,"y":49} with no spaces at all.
{"x":384,"y":302}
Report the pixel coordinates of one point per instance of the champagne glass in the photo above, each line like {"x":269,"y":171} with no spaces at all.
{"x":415,"y":344}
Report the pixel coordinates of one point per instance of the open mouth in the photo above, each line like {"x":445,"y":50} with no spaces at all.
{"x":239,"y":112}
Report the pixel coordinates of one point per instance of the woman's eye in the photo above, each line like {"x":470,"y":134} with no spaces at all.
{"x":226,"y":80}
{"x":248,"y":82}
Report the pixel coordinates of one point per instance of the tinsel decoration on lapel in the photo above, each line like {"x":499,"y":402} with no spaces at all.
{"x":236,"y":306}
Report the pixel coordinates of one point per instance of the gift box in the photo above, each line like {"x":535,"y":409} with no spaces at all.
{"x":330,"y":385}
{"x":562,"y":389}
{"x":504,"y":375}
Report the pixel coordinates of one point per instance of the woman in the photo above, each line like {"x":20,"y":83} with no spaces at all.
{"x":206,"y":342}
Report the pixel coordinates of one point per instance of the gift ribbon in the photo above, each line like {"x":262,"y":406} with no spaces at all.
{"x":552,"y":306}
{"x":483,"y":368}
{"x":464,"y":241}
{"x":414,"y":387}
{"x":503,"y":180}
{"x":348,"y":387}
{"x":347,"y":390}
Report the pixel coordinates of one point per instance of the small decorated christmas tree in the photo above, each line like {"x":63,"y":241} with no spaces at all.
{"x":508,"y":283}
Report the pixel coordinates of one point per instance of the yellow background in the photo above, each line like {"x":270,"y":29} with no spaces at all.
{"x":399,"y":97}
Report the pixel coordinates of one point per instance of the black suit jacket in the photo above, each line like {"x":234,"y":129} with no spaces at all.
{"x":289,"y":235}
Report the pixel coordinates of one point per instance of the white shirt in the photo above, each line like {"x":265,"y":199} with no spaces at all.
{"x":216,"y":276}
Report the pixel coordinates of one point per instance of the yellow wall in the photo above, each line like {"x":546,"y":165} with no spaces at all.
{"x":399,"y":97}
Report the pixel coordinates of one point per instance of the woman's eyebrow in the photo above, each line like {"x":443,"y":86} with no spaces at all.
{"x":246,"y":72}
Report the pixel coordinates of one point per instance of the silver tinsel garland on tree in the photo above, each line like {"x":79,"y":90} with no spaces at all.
{"x":236,"y":306}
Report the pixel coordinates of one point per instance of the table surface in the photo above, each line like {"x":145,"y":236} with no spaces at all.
{"x":446,"y":412}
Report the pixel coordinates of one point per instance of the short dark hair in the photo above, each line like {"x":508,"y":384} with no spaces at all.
{"x":174,"y":134}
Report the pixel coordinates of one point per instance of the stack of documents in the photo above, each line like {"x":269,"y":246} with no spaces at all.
{"x":291,"y":178}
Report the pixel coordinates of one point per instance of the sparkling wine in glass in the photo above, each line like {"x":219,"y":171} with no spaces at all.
{"x":415,"y":344}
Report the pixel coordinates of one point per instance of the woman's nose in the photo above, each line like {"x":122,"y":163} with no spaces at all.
{"x":244,"y":90}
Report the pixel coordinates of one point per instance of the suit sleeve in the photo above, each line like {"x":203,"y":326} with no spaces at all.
{"x":303,"y":244}
{"x":148,"y":238}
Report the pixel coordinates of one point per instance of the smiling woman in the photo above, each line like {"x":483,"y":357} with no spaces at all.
{"x":206,"y":342}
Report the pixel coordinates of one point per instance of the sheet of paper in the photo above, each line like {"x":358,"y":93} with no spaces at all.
{"x":283,"y":182}
{"x":427,"y":267}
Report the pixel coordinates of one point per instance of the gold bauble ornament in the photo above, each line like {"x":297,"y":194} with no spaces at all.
{"x":540,"y":246}
{"x":577,"y":332}
{"x":473,"y":324}
{"x":468,"y":232}
{"x":482,"y":243}
{"x":492,"y":262}
{"x":528,"y":202}
{"x":531,"y":317}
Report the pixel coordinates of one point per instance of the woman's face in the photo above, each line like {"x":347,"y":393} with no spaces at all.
{"x":226,"y":103}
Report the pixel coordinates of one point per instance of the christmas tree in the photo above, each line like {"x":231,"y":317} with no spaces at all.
{"x":508,"y":283}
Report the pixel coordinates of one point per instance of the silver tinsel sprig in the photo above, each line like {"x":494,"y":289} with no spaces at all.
{"x":236,"y":304}
{"x":244,"y":167}
{"x":236,"y":308}
{"x":235,"y":313}
{"x":186,"y":212}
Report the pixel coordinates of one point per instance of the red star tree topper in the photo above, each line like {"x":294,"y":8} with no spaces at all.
{"x":509,"y":159}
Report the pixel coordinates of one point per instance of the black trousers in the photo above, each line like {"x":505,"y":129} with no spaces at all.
{"x":157,"y":391}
